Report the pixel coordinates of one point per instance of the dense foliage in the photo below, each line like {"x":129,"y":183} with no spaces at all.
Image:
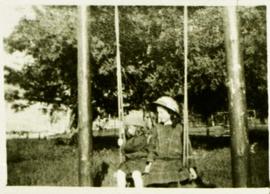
{"x":151,"y":54}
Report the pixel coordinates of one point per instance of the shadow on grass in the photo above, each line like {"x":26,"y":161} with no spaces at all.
{"x":100,"y":174}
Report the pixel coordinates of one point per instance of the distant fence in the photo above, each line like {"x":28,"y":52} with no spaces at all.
{"x":217,"y":125}
{"x":221,"y":119}
{"x":27,"y":135}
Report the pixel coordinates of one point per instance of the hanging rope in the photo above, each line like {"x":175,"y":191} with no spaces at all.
{"x":185,"y":138}
{"x":119,"y":83}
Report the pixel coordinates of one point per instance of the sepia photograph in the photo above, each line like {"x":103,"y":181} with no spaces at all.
{"x":135,"y":96}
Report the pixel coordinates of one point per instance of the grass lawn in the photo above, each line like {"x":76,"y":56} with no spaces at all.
{"x":42,"y":162}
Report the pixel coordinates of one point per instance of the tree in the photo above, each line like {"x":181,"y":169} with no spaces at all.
{"x":52,"y":44}
{"x":51,"y":40}
{"x":151,"y":41}
{"x":253,"y":34}
{"x":207,"y":70}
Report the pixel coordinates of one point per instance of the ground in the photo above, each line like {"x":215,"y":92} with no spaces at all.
{"x":44,"y":162}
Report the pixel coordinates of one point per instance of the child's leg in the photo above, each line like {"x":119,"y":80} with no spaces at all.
{"x":121,"y":178}
{"x":137,"y":177}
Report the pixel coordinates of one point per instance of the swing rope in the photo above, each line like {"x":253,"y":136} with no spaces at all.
{"x":185,"y":112}
{"x":119,"y":83}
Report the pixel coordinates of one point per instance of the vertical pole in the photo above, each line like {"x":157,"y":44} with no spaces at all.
{"x":185,"y":142}
{"x":84,"y":100}
{"x":237,"y":101}
{"x":119,"y":82}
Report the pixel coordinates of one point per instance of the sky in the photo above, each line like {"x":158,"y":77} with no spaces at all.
{"x":10,"y":16}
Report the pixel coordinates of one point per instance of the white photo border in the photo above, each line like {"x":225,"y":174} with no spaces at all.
{"x":83,"y":190}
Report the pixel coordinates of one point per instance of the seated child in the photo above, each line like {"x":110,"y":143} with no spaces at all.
{"x":135,"y":151}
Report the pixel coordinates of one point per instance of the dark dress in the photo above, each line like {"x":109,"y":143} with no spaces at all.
{"x":166,"y":153}
{"x":136,"y":152}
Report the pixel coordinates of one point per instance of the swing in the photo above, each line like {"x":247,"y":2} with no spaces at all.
{"x":120,"y":97}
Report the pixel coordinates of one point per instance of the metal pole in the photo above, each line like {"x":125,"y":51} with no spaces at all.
{"x":119,"y":82}
{"x":185,"y":112}
{"x":84,"y":100}
{"x":237,"y":101}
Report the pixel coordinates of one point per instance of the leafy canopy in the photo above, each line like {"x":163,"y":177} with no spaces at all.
{"x":152,"y":50}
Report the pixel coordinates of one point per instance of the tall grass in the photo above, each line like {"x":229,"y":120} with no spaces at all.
{"x":42,"y":162}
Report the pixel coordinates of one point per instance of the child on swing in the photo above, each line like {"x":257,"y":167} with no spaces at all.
{"x":165,"y":164}
{"x":135,"y":151}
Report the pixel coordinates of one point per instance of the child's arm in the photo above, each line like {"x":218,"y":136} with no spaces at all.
{"x":135,"y":143}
